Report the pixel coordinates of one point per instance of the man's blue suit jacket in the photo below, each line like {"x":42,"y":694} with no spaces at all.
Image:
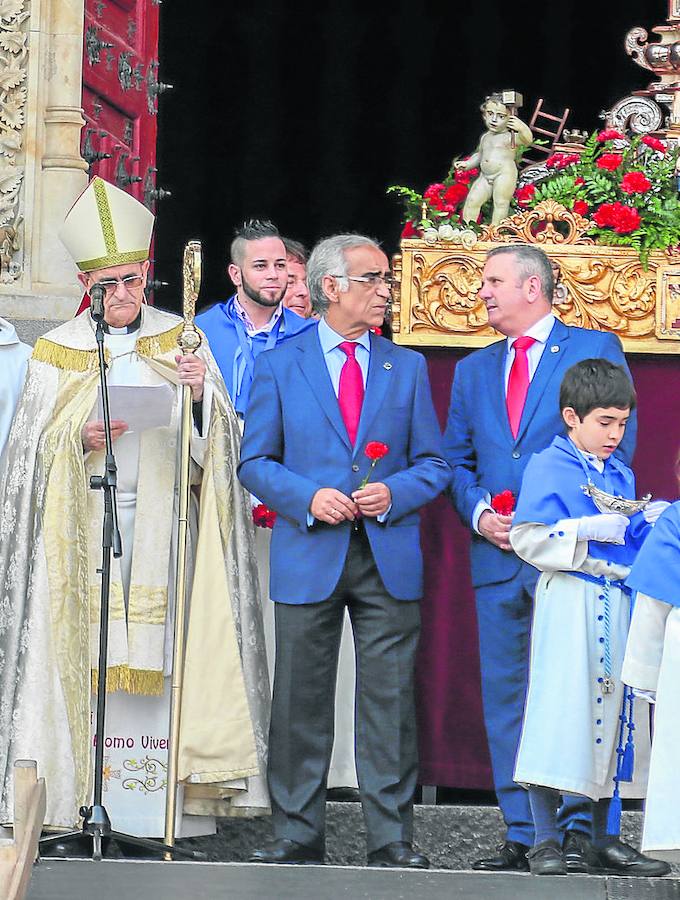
{"x":295,"y":442}
{"x":479,"y":445}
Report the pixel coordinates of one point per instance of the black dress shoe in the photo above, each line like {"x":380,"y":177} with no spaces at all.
{"x":579,"y":854}
{"x":512,"y":857}
{"x":287,"y":852}
{"x":546,"y":859}
{"x":398,"y":855}
{"x":622,"y":859}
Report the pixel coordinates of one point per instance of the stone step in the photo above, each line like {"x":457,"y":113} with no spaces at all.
{"x":66,"y":879}
{"x":452,"y":836}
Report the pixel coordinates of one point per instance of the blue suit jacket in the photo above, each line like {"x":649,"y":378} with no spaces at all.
{"x":295,"y":442}
{"x":479,"y":445}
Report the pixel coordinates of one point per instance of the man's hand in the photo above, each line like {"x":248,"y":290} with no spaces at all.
{"x":332,"y":507}
{"x":93,"y":437}
{"x":374,"y":499}
{"x":191,"y":371}
{"x":495,"y":528}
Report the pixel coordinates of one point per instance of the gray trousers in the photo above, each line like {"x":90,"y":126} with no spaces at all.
{"x":301,"y":734}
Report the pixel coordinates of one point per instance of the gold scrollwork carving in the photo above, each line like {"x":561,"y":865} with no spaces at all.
{"x":600,"y":287}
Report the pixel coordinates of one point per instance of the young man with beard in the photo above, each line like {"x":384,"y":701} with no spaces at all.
{"x":254,"y":319}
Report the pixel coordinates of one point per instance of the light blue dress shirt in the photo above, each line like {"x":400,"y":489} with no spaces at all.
{"x":335,"y":358}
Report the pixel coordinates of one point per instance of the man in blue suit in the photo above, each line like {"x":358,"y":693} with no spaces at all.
{"x":505,"y":407}
{"x":315,"y":404}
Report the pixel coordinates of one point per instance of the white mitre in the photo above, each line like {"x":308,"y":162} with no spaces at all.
{"x":106,"y":227}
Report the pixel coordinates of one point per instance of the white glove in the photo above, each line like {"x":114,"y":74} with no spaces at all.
{"x":652,"y":511}
{"x":610,"y":528}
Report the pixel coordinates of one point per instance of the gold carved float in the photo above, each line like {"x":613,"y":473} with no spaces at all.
{"x":436,"y":302}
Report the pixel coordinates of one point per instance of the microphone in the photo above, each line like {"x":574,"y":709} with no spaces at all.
{"x":96,"y":293}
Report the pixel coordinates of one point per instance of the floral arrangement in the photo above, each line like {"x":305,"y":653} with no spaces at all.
{"x":263,"y":517}
{"x":436,"y":214}
{"x":626,"y":187}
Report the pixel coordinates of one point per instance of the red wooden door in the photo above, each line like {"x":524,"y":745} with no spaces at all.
{"x":120,"y":94}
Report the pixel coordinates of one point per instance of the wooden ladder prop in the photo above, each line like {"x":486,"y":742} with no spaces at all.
{"x":547,"y":126}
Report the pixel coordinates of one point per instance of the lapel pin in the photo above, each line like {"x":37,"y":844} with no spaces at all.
{"x":555,"y":348}
{"x":387,"y":366}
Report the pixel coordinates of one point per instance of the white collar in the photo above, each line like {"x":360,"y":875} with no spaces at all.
{"x":539,"y":331}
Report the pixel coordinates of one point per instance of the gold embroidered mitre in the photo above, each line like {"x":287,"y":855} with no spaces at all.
{"x":106,"y":227}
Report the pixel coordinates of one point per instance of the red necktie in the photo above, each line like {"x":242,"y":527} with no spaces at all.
{"x":351,"y":390}
{"x":518,"y":382}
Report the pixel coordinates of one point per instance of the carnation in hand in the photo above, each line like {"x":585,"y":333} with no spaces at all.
{"x":503,"y":503}
{"x":375,"y":451}
{"x":263,"y":517}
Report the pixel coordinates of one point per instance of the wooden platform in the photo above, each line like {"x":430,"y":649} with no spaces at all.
{"x":112,"y":880}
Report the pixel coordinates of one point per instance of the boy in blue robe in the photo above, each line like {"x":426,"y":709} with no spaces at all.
{"x":572,"y":730}
{"x":652,"y":666}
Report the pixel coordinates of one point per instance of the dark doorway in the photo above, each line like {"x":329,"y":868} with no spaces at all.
{"x":306,"y":112}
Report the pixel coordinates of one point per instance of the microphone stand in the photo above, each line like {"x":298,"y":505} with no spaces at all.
{"x":96,"y":820}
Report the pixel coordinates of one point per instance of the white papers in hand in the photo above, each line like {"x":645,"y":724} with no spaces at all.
{"x":141,"y":406}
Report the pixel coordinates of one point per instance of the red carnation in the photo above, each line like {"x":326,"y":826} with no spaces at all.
{"x":503,"y":503}
{"x":654,"y":143}
{"x":525,"y":194}
{"x":581,"y":207}
{"x":635,"y":183}
{"x":263,"y":517}
{"x":455,"y":193}
{"x":579,"y":181}
{"x":610,"y":134}
{"x":609,"y":161}
{"x":562,"y":160}
{"x":410,"y":230}
{"x":465,"y":177}
{"x":622,"y":218}
{"x":374,"y":450}
{"x":376,"y":330}
{"x":433,"y":192}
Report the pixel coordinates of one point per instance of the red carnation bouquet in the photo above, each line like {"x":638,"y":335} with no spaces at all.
{"x":263,"y":517}
{"x":626,"y":186}
{"x":375,"y":451}
{"x":503,"y":503}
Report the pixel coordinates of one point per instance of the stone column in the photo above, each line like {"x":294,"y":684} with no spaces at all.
{"x":41,"y":119}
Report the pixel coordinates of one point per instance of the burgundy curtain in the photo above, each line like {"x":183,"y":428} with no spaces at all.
{"x":453,"y":750}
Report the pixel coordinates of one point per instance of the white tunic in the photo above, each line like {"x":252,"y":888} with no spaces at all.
{"x":571,"y":727}
{"x":13,"y":360}
{"x":652,"y":663}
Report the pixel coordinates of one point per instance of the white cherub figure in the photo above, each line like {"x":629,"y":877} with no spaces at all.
{"x":495,"y":157}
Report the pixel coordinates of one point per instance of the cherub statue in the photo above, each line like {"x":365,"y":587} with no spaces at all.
{"x":495,"y":157}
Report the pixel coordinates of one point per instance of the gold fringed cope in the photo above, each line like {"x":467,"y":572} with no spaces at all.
{"x":64,"y":357}
{"x":436,"y":299}
{"x":132,"y":681}
{"x":158,"y":344}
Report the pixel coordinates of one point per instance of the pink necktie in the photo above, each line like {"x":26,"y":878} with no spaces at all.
{"x":518,"y":383}
{"x":351,"y":390}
